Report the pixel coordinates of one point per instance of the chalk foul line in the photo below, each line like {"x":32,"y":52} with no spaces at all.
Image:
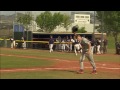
{"x":39,"y":69}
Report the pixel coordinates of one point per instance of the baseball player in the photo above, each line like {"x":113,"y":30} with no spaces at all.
{"x":71,"y":44}
{"x":51,"y":42}
{"x":24,"y":43}
{"x":12,"y":43}
{"x":63,"y":44}
{"x":77,"y":45}
{"x":98,"y":46}
{"x":92,"y":46}
{"x":86,"y":51}
{"x":67,"y":43}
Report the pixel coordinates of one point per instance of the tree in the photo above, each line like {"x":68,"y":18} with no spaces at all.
{"x":25,"y":19}
{"x":66,"y":21}
{"x":57,"y":19}
{"x":81,"y":30}
{"x":111,"y":21}
{"x":48,"y":22}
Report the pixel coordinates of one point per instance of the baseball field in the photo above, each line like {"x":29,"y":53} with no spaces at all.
{"x":40,"y":64}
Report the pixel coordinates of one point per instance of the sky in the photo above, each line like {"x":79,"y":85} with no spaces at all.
{"x":35,"y":12}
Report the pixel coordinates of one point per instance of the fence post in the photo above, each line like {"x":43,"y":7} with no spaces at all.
{"x":5,"y":43}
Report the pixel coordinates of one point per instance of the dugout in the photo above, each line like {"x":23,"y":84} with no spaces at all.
{"x":37,"y":36}
{"x":20,"y":32}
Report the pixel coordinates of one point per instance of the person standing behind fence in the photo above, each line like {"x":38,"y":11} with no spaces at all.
{"x":67,"y":43}
{"x":118,"y":48}
{"x":59,"y":45}
{"x":24,"y":43}
{"x":63,"y":44}
{"x":92,"y":46}
{"x":98,"y":46}
{"x":71,"y":43}
{"x":105,"y":43}
{"x":117,"y":45}
{"x":12,"y":43}
{"x":77,"y":45}
{"x":51,"y":42}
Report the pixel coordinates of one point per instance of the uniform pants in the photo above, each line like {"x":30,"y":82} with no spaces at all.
{"x":13,"y":44}
{"x":70,"y":47}
{"x":63,"y":47}
{"x":51,"y":47}
{"x":90,"y":58}
{"x":98,"y":49}
{"x":92,"y":49}
{"x":105,"y":49}
{"x":24,"y":45}
{"x":76,"y":47}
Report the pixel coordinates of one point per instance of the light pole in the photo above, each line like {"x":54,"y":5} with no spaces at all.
{"x":0,"y":20}
{"x":102,"y":24}
{"x":0,"y":17}
{"x":14,"y":21}
{"x":94,"y":27}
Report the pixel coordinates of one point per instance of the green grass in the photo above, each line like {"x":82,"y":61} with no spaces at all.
{"x":39,"y":53}
{"x":58,"y":75}
{"x":57,"y":55}
{"x":16,"y":62}
{"x":20,"y":62}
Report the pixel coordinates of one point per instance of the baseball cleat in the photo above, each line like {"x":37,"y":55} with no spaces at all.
{"x":76,"y":54}
{"x":94,"y":72}
{"x":80,"y":72}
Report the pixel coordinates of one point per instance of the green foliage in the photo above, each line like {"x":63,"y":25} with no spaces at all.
{"x":25,"y":19}
{"x":57,"y":19}
{"x":66,"y":21}
{"x":111,"y":21}
{"x":81,"y":30}
{"x":48,"y":22}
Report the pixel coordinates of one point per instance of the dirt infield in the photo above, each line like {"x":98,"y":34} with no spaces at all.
{"x":61,"y":64}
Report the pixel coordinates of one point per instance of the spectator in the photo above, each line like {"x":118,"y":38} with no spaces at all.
{"x":92,"y":46}
{"x":105,"y":43}
{"x":95,"y":46}
{"x":71,"y":44}
{"x":98,"y":46}
{"x":117,"y":48}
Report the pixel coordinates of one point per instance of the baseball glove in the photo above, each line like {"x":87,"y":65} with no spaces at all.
{"x":74,"y":29}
